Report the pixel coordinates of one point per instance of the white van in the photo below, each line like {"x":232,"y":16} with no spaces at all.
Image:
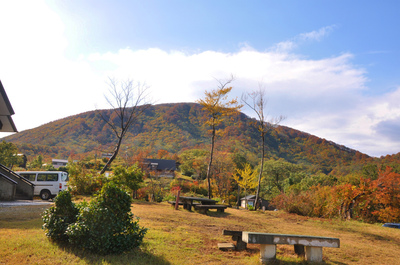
{"x":47,"y":183}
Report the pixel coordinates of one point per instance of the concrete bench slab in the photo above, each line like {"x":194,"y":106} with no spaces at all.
{"x":313,"y":244}
{"x":226,"y":246}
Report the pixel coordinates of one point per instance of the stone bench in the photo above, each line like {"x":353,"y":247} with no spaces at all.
{"x":226,"y":246}
{"x":313,"y":245}
{"x":236,"y":236}
{"x":204,"y":208}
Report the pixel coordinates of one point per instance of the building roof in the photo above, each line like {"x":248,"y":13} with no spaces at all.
{"x":60,"y":160}
{"x":6,"y":110}
{"x":162,"y":164}
{"x":249,"y":197}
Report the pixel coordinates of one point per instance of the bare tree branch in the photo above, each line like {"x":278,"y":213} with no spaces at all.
{"x":128,"y":101}
{"x":257,"y":101}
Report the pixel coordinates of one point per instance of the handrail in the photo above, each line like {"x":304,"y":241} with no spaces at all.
{"x":6,"y":169}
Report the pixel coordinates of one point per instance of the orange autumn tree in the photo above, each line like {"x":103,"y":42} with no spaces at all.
{"x":218,"y":107}
{"x":369,"y":201}
{"x":372,"y":200}
{"x":387,"y":196}
{"x":222,"y":176}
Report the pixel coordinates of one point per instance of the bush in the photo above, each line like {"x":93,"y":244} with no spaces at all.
{"x":106,"y":225}
{"x":84,"y":181}
{"x":301,"y":204}
{"x":57,"y":218}
{"x":128,"y":178}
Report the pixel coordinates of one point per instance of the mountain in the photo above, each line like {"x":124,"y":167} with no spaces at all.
{"x":175,"y":128}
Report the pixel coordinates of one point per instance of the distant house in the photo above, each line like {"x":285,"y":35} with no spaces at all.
{"x":162,"y":167}
{"x":106,"y":155}
{"x":250,"y":199}
{"x":57,"y":163}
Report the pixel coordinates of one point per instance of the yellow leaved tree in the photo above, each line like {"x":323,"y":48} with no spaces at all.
{"x":217,"y":106}
{"x":246,"y":178}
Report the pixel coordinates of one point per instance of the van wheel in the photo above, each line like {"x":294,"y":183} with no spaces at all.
{"x":45,"y":195}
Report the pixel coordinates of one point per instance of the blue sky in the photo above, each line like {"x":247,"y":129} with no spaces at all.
{"x":331,"y":67}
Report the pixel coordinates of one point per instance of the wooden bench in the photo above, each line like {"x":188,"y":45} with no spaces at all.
{"x":313,"y":245}
{"x":174,"y":202}
{"x":188,"y":202}
{"x":236,"y":236}
{"x":204,"y":208}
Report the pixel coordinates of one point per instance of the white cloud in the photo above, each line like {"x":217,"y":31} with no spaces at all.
{"x":324,"y":97}
{"x":316,"y":34}
{"x":42,"y":84}
{"x":291,"y":44}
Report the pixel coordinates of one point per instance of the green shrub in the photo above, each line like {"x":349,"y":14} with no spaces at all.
{"x":106,"y":225}
{"x":57,"y":218}
{"x":128,"y":178}
{"x":84,"y":181}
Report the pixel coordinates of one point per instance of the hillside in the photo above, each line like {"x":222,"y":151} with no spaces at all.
{"x":178,"y":127}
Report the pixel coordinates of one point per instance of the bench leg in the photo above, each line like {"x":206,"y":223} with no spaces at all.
{"x":299,"y":250}
{"x":314,"y":254}
{"x":202,"y":210}
{"x":267,"y":253}
{"x":241,"y":245}
{"x":220,"y":210}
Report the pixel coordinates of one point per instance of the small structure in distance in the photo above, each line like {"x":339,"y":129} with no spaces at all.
{"x":161,"y":167}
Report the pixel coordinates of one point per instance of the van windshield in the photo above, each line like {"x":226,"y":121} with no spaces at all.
{"x":64,"y":176}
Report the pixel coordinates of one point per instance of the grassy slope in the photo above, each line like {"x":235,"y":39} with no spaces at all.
{"x":181,"y":237}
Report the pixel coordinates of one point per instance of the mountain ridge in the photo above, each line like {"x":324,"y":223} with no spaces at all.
{"x":176,"y":127}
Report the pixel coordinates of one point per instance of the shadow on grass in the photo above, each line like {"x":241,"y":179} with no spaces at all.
{"x":137,"y":256}
{"x":142,"y":202}
{"x":282,"y":261}
{"x":374,"y":237}
{"x":217,"y":214}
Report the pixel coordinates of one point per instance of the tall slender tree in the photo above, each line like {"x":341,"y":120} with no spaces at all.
{"x":128,"y":101}
{"x":217,"y":105}
{"x":257,"y":101}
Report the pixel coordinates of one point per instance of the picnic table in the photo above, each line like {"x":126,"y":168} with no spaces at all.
{"x":189,"y":202}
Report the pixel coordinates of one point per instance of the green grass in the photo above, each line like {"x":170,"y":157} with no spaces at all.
{"x":182,"y":237}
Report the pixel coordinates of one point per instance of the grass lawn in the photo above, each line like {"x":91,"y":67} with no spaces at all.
{"x":182,"y":237}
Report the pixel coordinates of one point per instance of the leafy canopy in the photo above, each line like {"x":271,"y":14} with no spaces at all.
{"x":8,"y":154}
{"x":216,"y":105}
{"x":246,"y":177}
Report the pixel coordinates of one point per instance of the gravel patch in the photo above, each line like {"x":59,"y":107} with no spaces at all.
{"x":24,"y":203}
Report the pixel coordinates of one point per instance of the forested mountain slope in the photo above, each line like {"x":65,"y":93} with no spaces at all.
{"x":175,"y":128}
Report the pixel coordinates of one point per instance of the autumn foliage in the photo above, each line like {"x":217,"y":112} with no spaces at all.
{"x":371,"y":201}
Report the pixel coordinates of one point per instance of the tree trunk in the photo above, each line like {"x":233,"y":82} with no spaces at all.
{"x":346,"y":209}
{"x":238,"y":197}
{"x":210,"y":163}
{"x":261,"y":171}
{"x":114,"y":155}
